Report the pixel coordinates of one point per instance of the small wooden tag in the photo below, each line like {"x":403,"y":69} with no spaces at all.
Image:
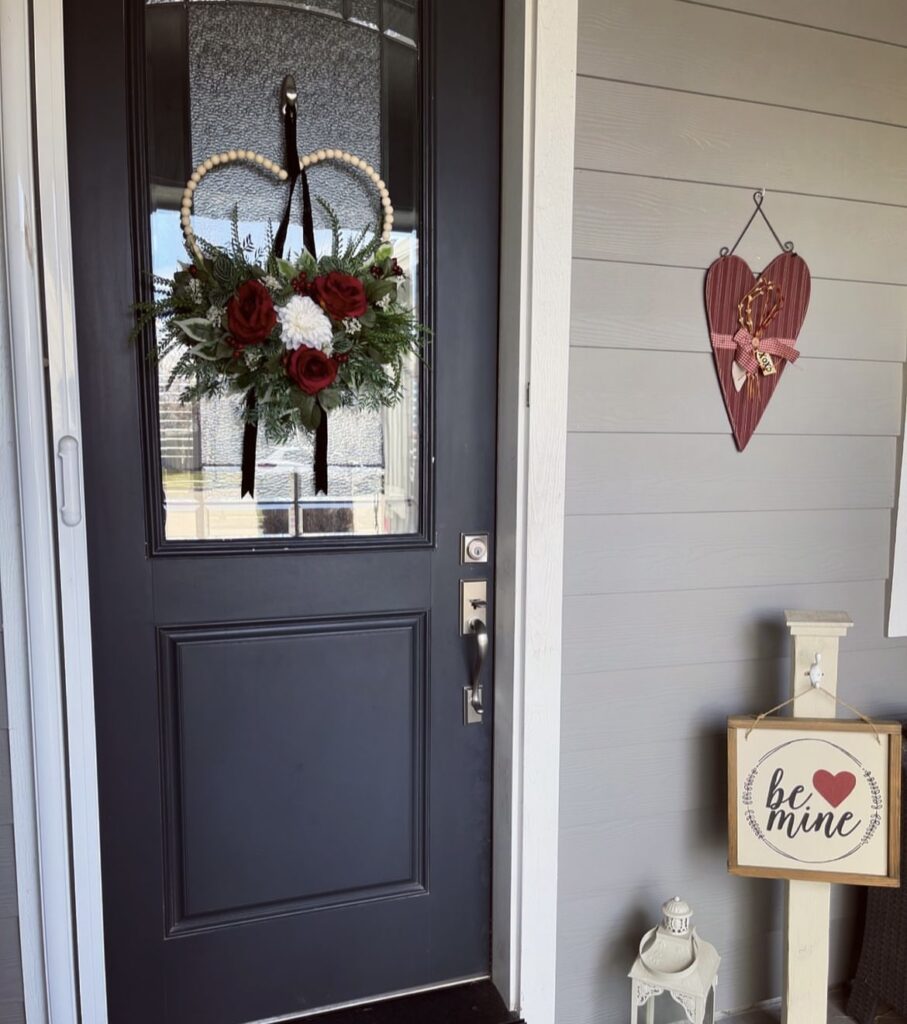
{"x":765,"y":363}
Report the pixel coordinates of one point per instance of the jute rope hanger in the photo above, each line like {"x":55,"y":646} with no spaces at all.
{"x":815,"y":675}
{"x":265,"y":163}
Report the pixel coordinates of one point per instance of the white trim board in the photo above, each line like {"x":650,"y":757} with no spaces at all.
{"x":51,"y":683}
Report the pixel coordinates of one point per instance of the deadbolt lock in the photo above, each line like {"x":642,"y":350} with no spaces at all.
{"x":474,"y":548}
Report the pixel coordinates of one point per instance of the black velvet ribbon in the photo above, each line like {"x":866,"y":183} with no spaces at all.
{"x":250,"y":434}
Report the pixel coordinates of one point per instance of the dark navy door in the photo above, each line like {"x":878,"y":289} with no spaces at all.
{"x":294,"y":814}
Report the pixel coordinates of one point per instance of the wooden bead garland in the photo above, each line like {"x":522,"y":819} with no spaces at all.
{"x":310,"y":160}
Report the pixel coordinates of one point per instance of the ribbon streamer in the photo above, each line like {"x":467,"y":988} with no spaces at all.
{"x":295,"y":172}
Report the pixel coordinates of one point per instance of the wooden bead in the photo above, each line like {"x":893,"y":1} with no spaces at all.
{"x":259,"y":159}
{"x":195,"y":177}
{"x":306,"y":161}
{"x":242,"y":154}
{"x":187,"y":195}
{"x":192,"y":185}
{"x":282,"y":174}
{"x":389,"y":211}
{"x":347,"y":158}
{"x":381,"y":186}
{"x":321,"y":154}
{"x":209,"y":164}
{"x":329,"y":154}
{"x":215,"y":160}
{"x":225,"y":158}
{"x":232,"y":155}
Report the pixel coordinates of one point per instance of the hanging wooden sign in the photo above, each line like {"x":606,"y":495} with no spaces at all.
{"x":815,"y":799}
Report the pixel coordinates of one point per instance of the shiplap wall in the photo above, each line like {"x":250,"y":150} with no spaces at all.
{"x":682,"y":553}
{"x":11,"y":1008}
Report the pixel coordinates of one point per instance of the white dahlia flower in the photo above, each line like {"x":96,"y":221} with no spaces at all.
{"x":302,"y":322}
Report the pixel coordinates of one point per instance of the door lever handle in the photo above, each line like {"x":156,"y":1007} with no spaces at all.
{"x":473,"y":695}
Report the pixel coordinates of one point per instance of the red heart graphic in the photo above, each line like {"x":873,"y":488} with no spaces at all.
{"x":728,"y":281}
{"x":835,"y":788}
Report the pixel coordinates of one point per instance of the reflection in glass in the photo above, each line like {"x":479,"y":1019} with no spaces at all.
{"x":213,"y":71}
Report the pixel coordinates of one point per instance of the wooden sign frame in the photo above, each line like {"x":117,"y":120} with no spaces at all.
{"x":888,"y":732}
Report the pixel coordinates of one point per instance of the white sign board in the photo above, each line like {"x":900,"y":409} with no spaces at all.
{"x":814,"y":799}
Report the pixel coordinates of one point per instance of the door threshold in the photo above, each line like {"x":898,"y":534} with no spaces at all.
{"x":475,"y":1001}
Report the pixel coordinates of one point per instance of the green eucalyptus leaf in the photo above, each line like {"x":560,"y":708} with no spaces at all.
{"x":376,"y":290}
{"x":305,"y":403}
{"x":329,"y":398}
{"x":287,"y":270}
{"x":197,"y":328}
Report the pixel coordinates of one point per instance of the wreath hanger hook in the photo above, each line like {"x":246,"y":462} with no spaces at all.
{"x":288,"y":94}
{"x":758,"y":199}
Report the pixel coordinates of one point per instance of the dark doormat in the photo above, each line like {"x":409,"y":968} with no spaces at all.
{"x":476,"y":1002}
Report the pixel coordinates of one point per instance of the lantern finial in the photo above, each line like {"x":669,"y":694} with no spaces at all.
{"x":676,"y":916}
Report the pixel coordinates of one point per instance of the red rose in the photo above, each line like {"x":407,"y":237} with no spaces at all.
{"x":250,"y":314}
{"x":311,"y":369}
{"x":339,"y":295}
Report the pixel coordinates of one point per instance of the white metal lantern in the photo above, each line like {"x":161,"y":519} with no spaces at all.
{"x":674,"y":960}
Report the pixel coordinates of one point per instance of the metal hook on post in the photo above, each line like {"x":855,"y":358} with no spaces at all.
{"x":288,"y":93}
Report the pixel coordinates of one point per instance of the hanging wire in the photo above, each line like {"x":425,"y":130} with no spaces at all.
{"x":758,"y":198}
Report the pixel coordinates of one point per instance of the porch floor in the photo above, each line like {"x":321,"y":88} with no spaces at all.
{"x":836,"y":1014}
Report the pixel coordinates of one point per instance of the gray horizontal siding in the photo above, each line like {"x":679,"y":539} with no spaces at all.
{"x":680,"y":552}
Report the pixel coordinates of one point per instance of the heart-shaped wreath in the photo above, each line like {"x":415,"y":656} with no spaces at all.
{"x":296,"y":336}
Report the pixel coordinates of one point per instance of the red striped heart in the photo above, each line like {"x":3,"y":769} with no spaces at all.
{"x":727,"y":282}
{"x":834,"y":788}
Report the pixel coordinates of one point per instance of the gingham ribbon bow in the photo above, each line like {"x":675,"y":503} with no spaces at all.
{"x":745,"y":345}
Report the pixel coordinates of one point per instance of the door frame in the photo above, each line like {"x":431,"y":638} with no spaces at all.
{"x":44,"y":570}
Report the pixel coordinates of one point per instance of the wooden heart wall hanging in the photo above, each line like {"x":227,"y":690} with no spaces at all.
{"x":754,"y":321}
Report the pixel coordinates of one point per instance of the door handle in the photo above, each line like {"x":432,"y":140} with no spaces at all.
{"x":474,"y":693}
{"x":474,"y":626}
{"x":70,"y":481}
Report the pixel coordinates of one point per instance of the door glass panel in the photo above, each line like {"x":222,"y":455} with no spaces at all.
{"x":213,"y":70}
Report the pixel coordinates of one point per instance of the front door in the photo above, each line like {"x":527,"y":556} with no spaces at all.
{"x":294,"y":812}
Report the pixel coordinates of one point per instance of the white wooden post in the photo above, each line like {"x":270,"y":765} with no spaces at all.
{"x":807,"y":905}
